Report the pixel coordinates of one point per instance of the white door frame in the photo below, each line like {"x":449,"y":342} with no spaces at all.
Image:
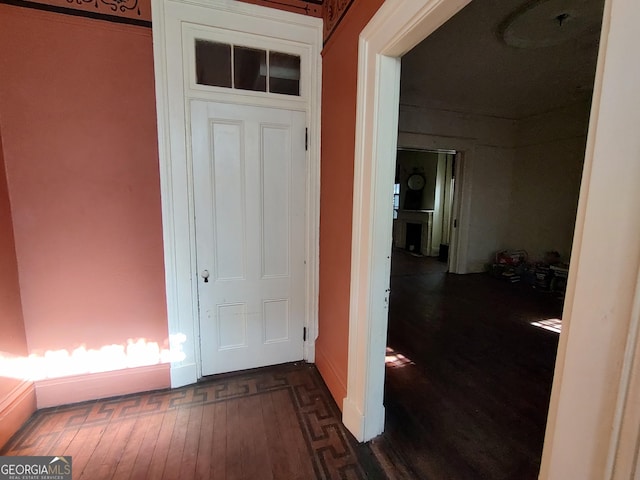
{"x":396,"y":28}
{"x":592,"y":401}
{"x":174,"y":25}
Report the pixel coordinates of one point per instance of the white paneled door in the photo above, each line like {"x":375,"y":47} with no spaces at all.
{"x":250,"y":193}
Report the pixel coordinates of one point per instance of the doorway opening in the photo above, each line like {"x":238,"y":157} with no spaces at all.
{"x":424,"y":203}
{"x":473,"y":399}
{"x":377,"y":113}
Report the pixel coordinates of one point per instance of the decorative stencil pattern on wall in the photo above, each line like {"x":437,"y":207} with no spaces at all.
{"x":312,"y":8}
{"x":112,"y":7}
{"x":334,"y":10}
{"x":138,"y":12}
{"x":134,"y":12}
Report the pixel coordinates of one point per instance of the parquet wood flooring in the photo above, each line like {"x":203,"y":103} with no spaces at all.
{"x":467,"y":397}
{"x":272,"y":423}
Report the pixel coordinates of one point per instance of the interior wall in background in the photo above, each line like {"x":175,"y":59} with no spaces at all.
{"x":443,"y":205}
{"x":547,"y":170}
{"x":525,"y":175}
{"x":415,"y":225}
{"x":423,"y":163}
{"x":17,"y":398}
{"x":487,"y":145}
{"x":77,"y":113}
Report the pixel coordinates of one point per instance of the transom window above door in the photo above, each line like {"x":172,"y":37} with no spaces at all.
{"x":245,"y":68}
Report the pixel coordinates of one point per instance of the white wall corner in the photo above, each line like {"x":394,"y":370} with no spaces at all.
{"x":353,"y":419}
{"x":396,"y":28}
{"x":310,"y":351}
{"x":182,"y":374}
{"x":363,"y":427}
{"x":375,"y":426}
{"x":590,"y":409}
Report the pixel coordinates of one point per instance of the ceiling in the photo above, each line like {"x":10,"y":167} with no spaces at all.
{"x":507,"y":58}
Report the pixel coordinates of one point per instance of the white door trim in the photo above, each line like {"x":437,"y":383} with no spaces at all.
{"x":396,"y":28}
{"x":594,"y":413}
{"x":171,"y":21}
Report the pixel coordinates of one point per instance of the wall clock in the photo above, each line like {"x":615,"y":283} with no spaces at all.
{"x":416,"y":182}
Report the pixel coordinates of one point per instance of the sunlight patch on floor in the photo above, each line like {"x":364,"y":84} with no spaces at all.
{"x":395,"y":359}
{"x":551,"y":324}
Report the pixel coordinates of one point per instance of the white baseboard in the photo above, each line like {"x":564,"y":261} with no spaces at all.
{"x":15,"y":409}
{"x":310,"y":351}
{"x":80,"y":388}
{"x":362,"y":427}
{"x":183,"y":375}
{"x":353,"y":419}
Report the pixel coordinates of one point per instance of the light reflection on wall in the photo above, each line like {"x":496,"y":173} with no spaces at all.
{"x":80,"y":361}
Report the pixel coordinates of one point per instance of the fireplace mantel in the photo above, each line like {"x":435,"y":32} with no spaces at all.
{"x":423,"y":217}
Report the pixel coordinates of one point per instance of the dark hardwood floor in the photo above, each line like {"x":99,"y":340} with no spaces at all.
{"x":272,"y":423}
{"x":468,"y":377}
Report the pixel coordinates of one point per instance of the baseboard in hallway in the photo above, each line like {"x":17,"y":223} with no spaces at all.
{"x":16,"y":409}
{"x":333,"y":379}
{"x":273,"y":423}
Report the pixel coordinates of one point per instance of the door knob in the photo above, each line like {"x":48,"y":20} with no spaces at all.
{"x":205,"y":275}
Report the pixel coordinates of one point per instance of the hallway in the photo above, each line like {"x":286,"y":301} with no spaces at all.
{"x":468,"y":377}
{"x":468,"y":380}
{"x":270,"y":423}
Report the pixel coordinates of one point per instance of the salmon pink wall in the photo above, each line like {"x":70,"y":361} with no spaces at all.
{"x":13,"y":341}
{"x":17,"y":399}
{"x":339,"y":79}
{"x":77,"y":114}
